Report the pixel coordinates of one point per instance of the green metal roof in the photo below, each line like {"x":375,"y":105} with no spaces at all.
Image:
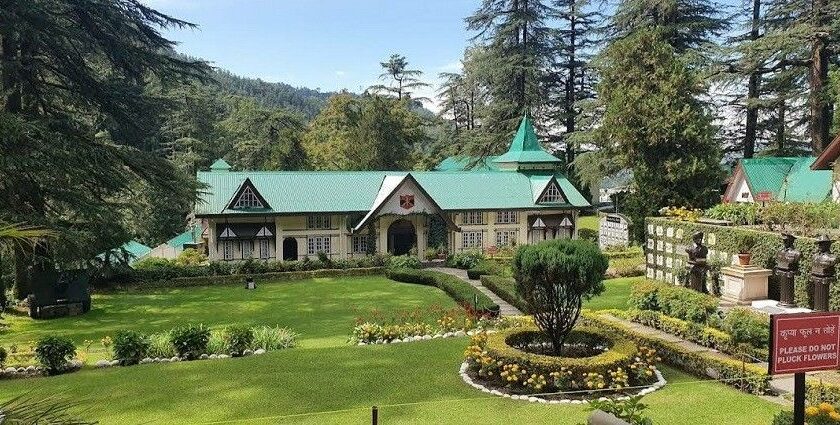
{"x":190,"y":236}
{"x":787,"y":178}
{"x":136,"y":249}
{"x":462,"y":163}
{"x":291,"y":192}
{"x":525,"y":146}
{"x":220,"y":165}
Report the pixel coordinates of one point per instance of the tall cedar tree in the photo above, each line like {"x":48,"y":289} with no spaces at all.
{"x":514,"y":66}
{"x":803,"y":35}
{"x":655,"y":125}
{"x":70,"y":70}
{"x":684,"y":24}
{"x":576,"y":39}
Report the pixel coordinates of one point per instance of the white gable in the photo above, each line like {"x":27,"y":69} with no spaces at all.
{"x":399,"y":195}
{"x":248,"y":199}
{"x":742,"y":189}
{"x":552,"y":194}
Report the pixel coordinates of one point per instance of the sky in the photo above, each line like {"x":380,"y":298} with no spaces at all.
{"x":322,"y":44}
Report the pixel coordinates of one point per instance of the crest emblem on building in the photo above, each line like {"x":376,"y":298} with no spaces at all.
{"x":407,"y":202}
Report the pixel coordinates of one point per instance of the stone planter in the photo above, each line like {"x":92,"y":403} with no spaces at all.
{"x":744,"y":259}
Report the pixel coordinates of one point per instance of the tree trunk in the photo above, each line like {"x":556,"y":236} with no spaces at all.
{"x":752,"y":90}
{"x":570,"y":91}
{"x":781,"y":128}
{"x":820,"y":107}
{"x":22,"y":262}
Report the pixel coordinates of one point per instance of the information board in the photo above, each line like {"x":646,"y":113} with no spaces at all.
{"x":614,"y":230}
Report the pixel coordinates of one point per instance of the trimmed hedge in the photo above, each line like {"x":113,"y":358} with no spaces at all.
{"x":674,"y":301}
{"x":721,"y":241}
{"x":239,"y":279}
{"x":159,"y":269}
{"x":744,"y":376}
{"x":462,"y":292}
{"x":505,"y":288}
{"x":620,"y":354}
{"x":706,"y":336}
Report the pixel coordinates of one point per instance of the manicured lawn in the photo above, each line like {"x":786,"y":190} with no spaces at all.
{"x":412,"y":383}
{"x":588,"y":222}
{"x":615,"y":296}
{"x":321,"y":310}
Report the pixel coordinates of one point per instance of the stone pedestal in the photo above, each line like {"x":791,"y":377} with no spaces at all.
{"x":744,"y":284}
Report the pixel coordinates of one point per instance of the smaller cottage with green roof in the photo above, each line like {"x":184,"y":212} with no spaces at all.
{"x":517,"y":198}
{"x":789,"y":179}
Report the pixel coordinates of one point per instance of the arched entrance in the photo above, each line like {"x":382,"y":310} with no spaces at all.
{"x":290,"y":249}
{"x":401,"y":237}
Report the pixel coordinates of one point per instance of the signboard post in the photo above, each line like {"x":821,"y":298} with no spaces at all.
{"x":803,"y":342}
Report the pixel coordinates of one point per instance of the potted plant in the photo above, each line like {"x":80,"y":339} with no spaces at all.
{"x":745,"y":245}
{"x":441,"y":254}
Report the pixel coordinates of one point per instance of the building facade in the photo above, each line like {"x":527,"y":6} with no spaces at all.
{"x":290,"y":215}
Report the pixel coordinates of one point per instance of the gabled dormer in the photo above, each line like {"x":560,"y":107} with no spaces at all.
{"x":247,"y":197}
{"x":546,"y":190}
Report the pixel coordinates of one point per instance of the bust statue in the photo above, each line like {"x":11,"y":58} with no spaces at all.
{"x":822,"y":273}
{"x":697,"y":263}
{"x":787,"y":267}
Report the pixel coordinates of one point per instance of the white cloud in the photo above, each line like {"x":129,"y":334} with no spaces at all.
{"x":454,"y":66}
{"x":340,"y":74}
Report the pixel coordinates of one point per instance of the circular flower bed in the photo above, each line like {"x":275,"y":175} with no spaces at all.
{"x":593,"y":363}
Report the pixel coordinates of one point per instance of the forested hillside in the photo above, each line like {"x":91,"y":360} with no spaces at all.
{"x":304,"y":101}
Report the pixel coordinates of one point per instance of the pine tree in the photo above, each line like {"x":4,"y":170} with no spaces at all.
{"x":685,"y":24}
{"x":513,"y":65}
{"x":403,"y":80}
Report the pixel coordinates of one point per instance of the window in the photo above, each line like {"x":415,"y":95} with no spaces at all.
{"x":473,"y":217}
{"x":318,"y":244}
{"x":745,"y":195}
{"x":265,"y":247}
{"x":472,"y":239}
{"x":318,"y":222}
{"x":506,"y":238}
{"x":227,"y":250}
{"x":506,"y":217}
{"x":248,"y":199}
{"x":552,"y":194}
{"x":247,"y":248}
{"x":359,"y":243}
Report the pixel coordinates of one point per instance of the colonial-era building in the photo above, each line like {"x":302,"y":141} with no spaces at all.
{"x":788,"y":179}
{"x":828,"y":161}
{"x":294,"y":214}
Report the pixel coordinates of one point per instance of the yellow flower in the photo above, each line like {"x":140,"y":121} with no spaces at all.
{"x":826,"y":407}
{"x":812,"y":411}
{"x":834,"y":416}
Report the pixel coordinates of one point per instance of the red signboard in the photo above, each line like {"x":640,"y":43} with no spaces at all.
{"x":763,"y":196}
{"x":804,"y":342}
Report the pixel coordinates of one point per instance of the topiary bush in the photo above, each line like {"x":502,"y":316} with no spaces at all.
{"x":53,"y":353}
{"x":130,"y":347}
{"x":190,"y":341}
{"x":238,"y":339}
{"x":554,"y":277}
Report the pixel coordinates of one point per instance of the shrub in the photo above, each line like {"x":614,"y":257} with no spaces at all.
{"x":430,"y":254}
{"x":130,"y":347}
{"x":628,"y":410}
{"x":3,"y":356}
{"x":273,"y":338}
{"x":465,"y":259}
{"x":190,"y":257}
{"x":739,"y":213}
{"x":484,"y":267}
{"x":404,"y":262}
{"x":238,"y":339}
{"x":462,"y":292}
{"x":590,"y":235}
{"x":160,"y":345}
{"x":505,"y":288}
{"x":190,"y":341}
{"x":675,"y":301}
{"x":216,"y":343}
{"x":748,"y":327}
{"x":554,"y":277}
{"x":745,"y":242}
{"x":54,"y":352}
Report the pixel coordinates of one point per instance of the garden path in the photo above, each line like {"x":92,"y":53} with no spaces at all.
{"x":505,"y":309}
{"x":783,"y":384}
